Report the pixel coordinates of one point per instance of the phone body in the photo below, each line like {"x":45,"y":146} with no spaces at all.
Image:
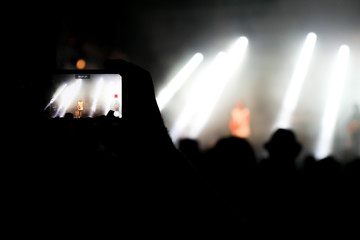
{"x":86,"y":94}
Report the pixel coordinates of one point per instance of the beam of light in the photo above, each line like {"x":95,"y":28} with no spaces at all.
{"x":174,"y":85}
{"x":98,"y":88}
{"x":67,"y":97}
{"x":297,"y":80}
{"x":231,"y":64}
{"x":108,"y":96}
{"x":56,"y":95}
{"x":210,"y":74}
{"x":325,"y":140}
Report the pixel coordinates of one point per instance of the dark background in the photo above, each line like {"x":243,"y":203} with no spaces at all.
{"x":155,"y":34}
{"x":161,"y":35}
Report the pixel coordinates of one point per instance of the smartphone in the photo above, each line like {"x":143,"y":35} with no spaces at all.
{"x":86,"y":94}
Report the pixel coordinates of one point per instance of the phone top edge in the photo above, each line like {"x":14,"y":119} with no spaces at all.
{"x":87,"y":71}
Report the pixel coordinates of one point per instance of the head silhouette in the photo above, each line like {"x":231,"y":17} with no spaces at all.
{"x":283,"y":146}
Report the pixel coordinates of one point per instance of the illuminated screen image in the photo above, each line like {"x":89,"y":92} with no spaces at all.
{"x":85,"y":95}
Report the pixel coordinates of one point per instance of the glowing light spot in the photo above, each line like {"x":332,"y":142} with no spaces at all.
{"x":80,"y":64}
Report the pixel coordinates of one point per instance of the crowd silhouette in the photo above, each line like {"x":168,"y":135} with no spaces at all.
{"x":276,"y":194}
{"x":82,"y":173}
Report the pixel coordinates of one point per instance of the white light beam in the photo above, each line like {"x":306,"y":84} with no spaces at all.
{"x":175,"y":84}
{"x":292,"y":94}
{"x":98,"y":88}
{"x":324,"y":144}
{"x":56,"y":95}
{"x":231,"y":64}
{"x":194,"y":101}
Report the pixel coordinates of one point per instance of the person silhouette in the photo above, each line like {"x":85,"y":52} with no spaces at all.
{"x":232,"y":170}
{"x":283,"y":149}
{"x":79,"y":108}
{"x":127,"y":168}
{"x":279,"y":180}
{"x":239,"y":123}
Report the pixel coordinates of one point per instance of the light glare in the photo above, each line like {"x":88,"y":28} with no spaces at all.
{"x":175,"y":84}
{"x":98,"y":88}
{"x":208,"y":89}
{"x":67,"y":97}
{"x":330,"y":115}
{"x":195,"y":100}
{"x":56,"y":95}
{"x":230,"y":64}
{"x":297,"y":80}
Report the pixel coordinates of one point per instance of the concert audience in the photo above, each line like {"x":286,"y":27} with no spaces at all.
{"x":83,"y":173}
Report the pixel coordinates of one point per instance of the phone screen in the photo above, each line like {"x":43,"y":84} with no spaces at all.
{"x":85,"y":94}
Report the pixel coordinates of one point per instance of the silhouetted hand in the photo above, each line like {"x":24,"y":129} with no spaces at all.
{"x":141,"y":112}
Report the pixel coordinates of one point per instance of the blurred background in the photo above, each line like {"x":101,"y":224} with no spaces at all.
{"x":162,"y":36}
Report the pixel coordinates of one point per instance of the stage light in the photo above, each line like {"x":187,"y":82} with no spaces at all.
{"x":206,"y":92}
{"x":108,"y":96}
{"x":56,"y":95}
{"x":175,"y":84}
{"x":98,"y":88}
{"x":215,"y":88}
{"x":328,"y":123}
{"x":80,"y":64}
{"x":67,"y":97}
{"x":297,"y":80}
{"x":196,"y":95}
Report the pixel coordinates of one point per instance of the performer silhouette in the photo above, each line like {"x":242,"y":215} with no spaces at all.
{"x":80,"y":108}
{"x":239,"y":123}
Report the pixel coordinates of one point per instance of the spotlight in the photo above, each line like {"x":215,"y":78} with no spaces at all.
{"x":108,"y":96}
{"x":297,"y":80}
{"x":195,"y":99}
{"x":174,"y":85}
{"x":330,"y":115}
{"x":67,"y":97}
{"x":56,"y":95}
{"x":208,"y":89}
{"x":231,"y":64}
{"x":98,"y":88}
